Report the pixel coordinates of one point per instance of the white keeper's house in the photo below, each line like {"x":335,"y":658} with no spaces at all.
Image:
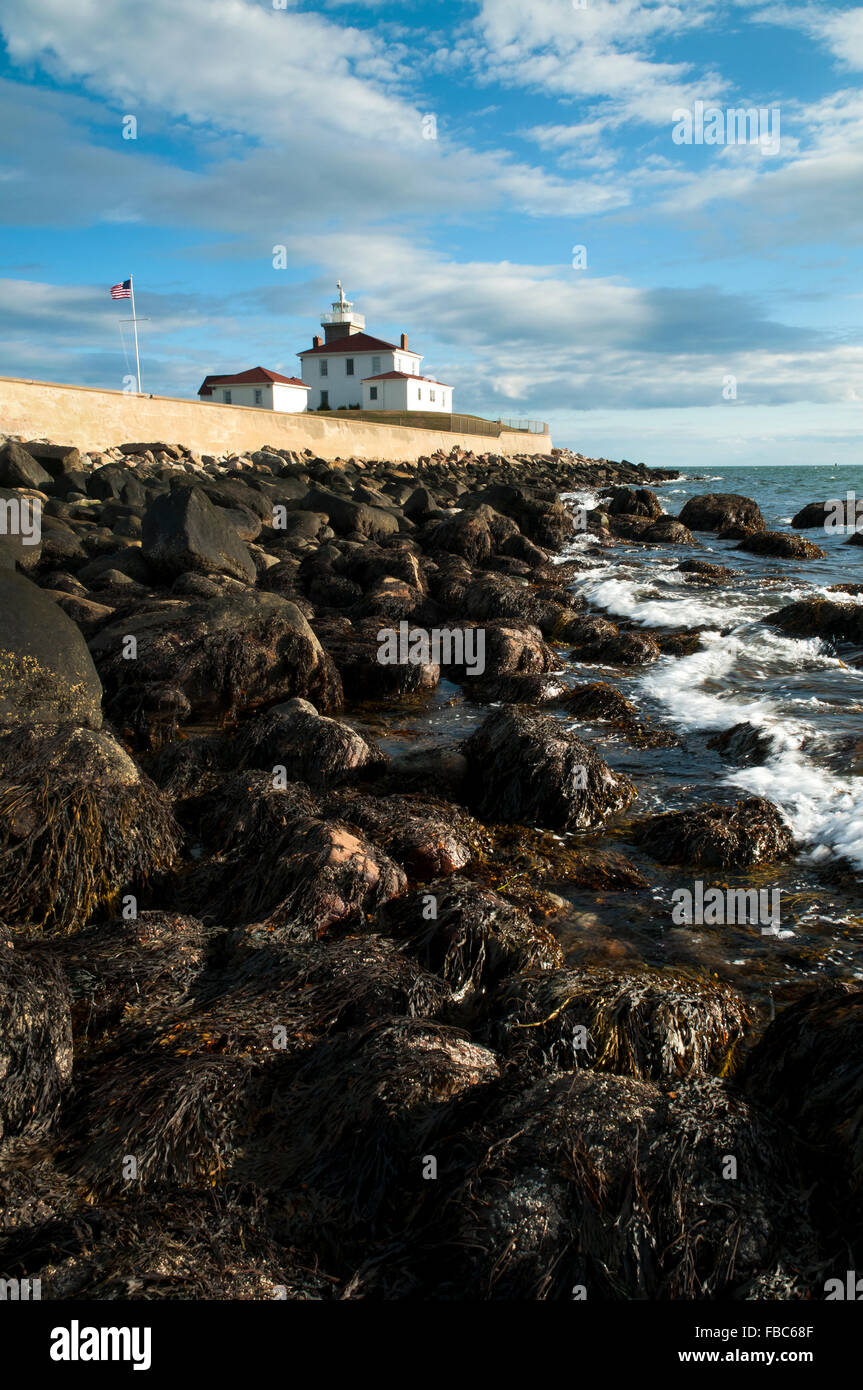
{"x":256,"y":387}
{"x":345,"y":369}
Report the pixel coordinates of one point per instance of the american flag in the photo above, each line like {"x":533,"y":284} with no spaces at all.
{"x":122,"y":291}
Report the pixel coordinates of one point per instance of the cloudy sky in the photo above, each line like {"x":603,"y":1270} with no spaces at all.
{"x":447,"y":159}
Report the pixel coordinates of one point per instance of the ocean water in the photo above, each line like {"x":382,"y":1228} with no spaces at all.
{"x":805,"y":697}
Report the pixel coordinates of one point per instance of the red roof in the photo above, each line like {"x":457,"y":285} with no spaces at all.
{"x":248,"y":378}
{"x":359,"y":342}
{"x":406,"y":376}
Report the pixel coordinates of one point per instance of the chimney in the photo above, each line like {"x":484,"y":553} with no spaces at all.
{"x":404,"y":342}
{"x":317,"y":342}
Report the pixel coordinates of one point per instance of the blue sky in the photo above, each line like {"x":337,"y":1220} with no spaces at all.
{"x":307,"y":127}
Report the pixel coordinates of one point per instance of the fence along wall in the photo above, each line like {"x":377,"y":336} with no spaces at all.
{"x":89,"y":418}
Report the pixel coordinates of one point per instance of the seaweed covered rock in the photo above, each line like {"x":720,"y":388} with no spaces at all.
{"x":703,"y":572}
{"x":279,"y":870}
{"x":534,"y":770}
{"x":46,"y":672}
{"x":183,"y":532}
{"x":743,"y":744}
{"x":363,"y":1108}
{"x":427,"y":837}
{"x":643,"y":1022}
{"x":717,"y":511}
{"x":598,"y":640}
{"x":721,"y":836}
{"x":820,"y":617}
{"x":130,"y":969}
{"x":631,"y":501}
{"x":310,"y":747}
{"x":471,"y":937}
{"x":356,"y":647}
{"x":224,"y":655}
{"x":806,"y":1068}
{"x":812,"y":516}
{"x":782,"y":544}
{"x":604,"y":1187}
{"x":187,"y":1247}
{"x":79,"y":825}
{"x":35,"y":1041}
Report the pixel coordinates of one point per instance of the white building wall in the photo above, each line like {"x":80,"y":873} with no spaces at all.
{"x":265,"y":395}
{"x":406,"y":394}
{"x":290,"y":399}
{"x":344,"y":390}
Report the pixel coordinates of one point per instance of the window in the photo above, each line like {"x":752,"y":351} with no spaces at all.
{"x":376,"y":366}
{"x":259,"y":396}
{"x":325,"y":400}
{"x":325,"y":367}
{"x":226,"y":395}
{"x":419,"y":393}
{"x":349,"y":366}
{"x":373,"y":393}
{"x":431,"y":395}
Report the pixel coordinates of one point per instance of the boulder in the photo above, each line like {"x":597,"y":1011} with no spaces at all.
{"x":715,"y":511}
{"x":46,"y":672}
{"x":718,"y":836}
{"x":782,"y":544}
{"x":532,"y":769}
{"x":237,"y":652}
{"x":182,"y":531}
{"x":18,"y":468}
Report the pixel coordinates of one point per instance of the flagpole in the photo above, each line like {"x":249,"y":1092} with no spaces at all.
{"x":135,"y":328}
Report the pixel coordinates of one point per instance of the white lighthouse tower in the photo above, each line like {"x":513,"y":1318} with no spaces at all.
{"x":343,"y":321}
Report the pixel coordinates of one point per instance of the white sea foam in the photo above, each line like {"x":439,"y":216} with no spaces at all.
{"x":824,"y":811}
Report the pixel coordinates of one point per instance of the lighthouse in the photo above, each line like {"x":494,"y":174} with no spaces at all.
{"x":343,"y":321}
{"x":348,"y":369}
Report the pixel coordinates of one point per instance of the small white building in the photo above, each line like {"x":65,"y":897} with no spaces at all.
{"x":257,"y":387}
{"x":348,"y":368}
{"x":404,"y":391}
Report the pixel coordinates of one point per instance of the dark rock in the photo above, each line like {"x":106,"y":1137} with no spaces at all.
{"x":46,"y":673}
{"x":35,"y":1041}
{"x":182,"y":531}
{"x":820,"y":617}
{"x":238,"y":652}
{"x":782,"y":544}
{"x":812,"y":516}
{"x":715,"y":511}
{"x":743,"y":744}
{"x":728,"y":837}
{"x":533,"y":770}
{"x":475,"y":939}
{"x":614,"y":1186}
{"x":310,"y":747}
{"x":646,"y":1023}
{"x":79,"y":825}
{"x":18,"y":468}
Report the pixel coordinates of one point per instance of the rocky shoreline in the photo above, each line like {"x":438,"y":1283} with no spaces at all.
{"x":284,"y":1015}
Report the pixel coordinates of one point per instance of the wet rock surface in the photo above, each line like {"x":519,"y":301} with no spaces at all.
{"x":273,"y":935}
